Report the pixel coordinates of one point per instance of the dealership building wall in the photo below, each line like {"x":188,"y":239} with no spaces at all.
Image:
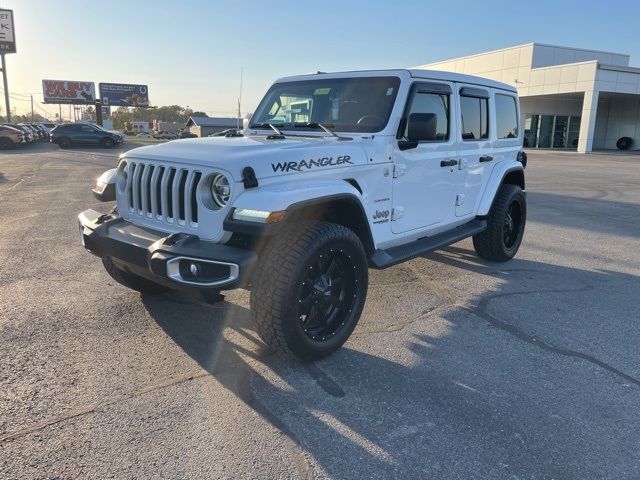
{"x":570,"y":98}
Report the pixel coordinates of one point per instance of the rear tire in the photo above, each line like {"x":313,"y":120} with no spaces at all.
{"x":310,"y":289}
{"x":64,"y":142}
{"x":6,"y":143}
{"x":506,"y":221}
{"x":129,"y":280}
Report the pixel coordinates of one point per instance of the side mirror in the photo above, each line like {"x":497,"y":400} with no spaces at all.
{"x":420,"y":127}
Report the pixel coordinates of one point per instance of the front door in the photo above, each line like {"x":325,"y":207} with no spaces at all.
{"x":424,"y":176}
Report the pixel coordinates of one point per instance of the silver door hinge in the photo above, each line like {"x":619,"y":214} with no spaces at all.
{"x":396,"y":213}
{"x":398,"y":170}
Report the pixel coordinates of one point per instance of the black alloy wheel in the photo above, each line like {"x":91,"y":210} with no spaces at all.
{"x":327,"y":295}
{"x":511,"y":230}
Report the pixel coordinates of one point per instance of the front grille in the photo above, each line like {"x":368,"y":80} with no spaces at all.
{"x":162,"y":193}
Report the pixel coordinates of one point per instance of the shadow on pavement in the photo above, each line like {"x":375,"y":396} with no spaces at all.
{"x":518,"y":384}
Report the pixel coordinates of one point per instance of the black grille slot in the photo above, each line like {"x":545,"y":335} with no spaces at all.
{"x":194,"y":201}
{"x":158,"y":187}
{"x":138,"y":184}
{"x":172,"y":174}
{"x":132,"y":171}
{"x":182,"y":182}
{"x":147,"y":186}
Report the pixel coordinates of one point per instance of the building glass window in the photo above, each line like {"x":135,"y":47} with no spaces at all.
{"x":506,"y":117}
{"x":551,"y":131}
{"x":475,"y":117}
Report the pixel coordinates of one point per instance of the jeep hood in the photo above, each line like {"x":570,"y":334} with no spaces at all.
{"x":268,"y":158}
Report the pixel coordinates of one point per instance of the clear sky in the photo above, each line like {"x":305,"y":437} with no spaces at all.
{"x":191,"y":52}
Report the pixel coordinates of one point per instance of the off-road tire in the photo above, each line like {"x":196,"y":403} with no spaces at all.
{"x":277,"y":284}
{"x":64,"y":142}
{"x":129,"y":280}
{"x":490,"y":244}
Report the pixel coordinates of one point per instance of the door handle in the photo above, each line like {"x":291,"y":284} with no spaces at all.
{"x":486,"y":158}
{"x":448,"y":163}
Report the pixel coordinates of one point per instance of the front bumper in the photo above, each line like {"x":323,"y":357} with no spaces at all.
{"x":178,"y":260}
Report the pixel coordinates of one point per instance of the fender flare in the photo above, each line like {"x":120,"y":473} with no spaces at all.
{"x":498,"y":175}
{"x":282,"y":197}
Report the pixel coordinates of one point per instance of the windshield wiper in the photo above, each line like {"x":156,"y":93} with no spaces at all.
{"x":322,"y":127}
{"x":275,"y":127}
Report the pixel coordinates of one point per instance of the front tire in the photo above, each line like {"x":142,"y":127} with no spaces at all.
{"x":310,"y":289}
{"x":107,"y":143}
{"x":129,"y":280}
{"x":64,"y":142}
{"x":507,"y":218}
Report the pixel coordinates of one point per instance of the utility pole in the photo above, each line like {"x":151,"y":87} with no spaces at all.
{"x":240,"y":99}
{"x":6,"y":89}
{"x":32,"y":117}
{"x":59,"y":113}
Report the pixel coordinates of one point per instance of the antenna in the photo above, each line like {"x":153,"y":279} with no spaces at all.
{"x":240,"y":99}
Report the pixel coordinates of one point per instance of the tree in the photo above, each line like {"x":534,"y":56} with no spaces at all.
{"x":199,"y":114}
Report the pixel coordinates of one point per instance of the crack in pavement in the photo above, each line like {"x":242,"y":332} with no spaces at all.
{"x":244,"y":393}
{"x":480,"y":310}
{"x":97,"y":406}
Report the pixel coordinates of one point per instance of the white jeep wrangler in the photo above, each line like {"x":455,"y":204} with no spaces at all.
{"x":335,"y":173}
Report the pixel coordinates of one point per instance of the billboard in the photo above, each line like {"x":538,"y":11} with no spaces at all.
{"x":7,"y":32}
{"x":124,"y":95}
{"x":67,"y":91}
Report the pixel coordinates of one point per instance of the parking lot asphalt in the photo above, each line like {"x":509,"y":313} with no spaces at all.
{"x":459,"y":368}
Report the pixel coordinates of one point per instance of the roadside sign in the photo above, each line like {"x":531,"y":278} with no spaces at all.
{"x":124,"y":95}
{"x":7,"y":32}
{"x":69,"y":92}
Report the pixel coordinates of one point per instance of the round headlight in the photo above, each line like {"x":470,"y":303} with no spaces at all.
{"x":123,"y":171}
{"x":220,"y":190}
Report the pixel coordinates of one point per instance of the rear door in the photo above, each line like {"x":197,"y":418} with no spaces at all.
{"x":475,"y":149}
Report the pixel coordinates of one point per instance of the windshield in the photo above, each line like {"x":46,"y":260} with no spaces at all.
{"x":342,"y":104}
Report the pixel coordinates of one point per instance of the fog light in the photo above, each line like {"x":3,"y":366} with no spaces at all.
{"x":193,"y":269}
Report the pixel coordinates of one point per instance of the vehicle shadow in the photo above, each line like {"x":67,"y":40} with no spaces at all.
{"x":485,"y":387}
{"x":3,"y":179}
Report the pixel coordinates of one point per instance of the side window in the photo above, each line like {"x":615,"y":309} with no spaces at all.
{"x":436,"y":104}
{"x":506,"y":116}
{"x":475,"y":117}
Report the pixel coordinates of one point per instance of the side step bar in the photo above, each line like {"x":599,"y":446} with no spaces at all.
{"x":394,"y":255}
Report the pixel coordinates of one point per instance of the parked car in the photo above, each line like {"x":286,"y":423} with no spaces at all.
{"x":10,"y":137}
{"x":28,"y":135}
{"x":143,"y":135}
{"x":224,"y":133}
{"x":165,"y":135}
{"x":69,"y":134}
{"x":187,"y":134}
{"x":363,"y":169}
{"x":42,"y":131}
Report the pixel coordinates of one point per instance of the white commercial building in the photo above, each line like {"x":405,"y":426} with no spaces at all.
{"x":570,"y":97}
